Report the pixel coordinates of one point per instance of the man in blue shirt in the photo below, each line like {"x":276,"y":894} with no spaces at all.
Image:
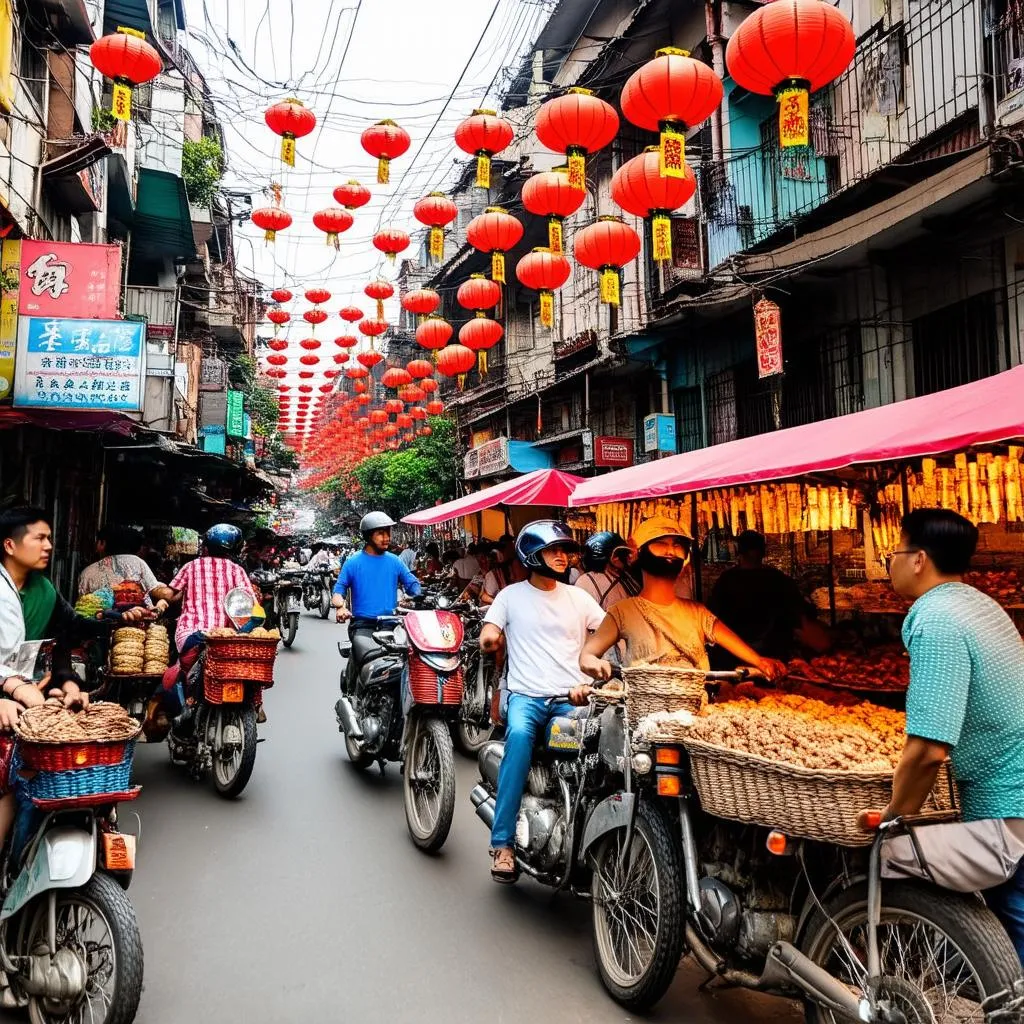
{"x":373,"y":576}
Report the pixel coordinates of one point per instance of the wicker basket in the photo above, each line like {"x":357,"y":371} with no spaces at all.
{"x":239,"y":660}
{"x":651,"y":688}
{"x":801,"y":802}
{"x":82,"y":782}
{"x":41,"y":756}
{"x":241,"y":646}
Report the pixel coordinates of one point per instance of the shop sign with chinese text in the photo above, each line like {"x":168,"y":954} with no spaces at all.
{"x":768,"y":337}
{"x":70,"y":279}
{"x":493,"y":456}
{"x":613,"y":451}
{"x":235,"y":414}
{"x":471,"y":464}
{"x":80,"y":364}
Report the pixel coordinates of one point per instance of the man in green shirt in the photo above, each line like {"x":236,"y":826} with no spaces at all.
{"x":966,"y":694}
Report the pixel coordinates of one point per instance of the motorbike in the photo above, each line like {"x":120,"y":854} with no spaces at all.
{"x":317,"y":587}
{"x":70,"y":948}
{"x":479,"y":676}
{"x":282,"y":598}
{"x":216,"y":732}
{"x":401,"y":690}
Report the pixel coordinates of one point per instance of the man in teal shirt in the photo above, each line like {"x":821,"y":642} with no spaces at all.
{"x":966,"y":695}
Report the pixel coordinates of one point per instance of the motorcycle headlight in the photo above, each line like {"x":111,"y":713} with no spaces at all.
{"x":444,"y":602}
{"x":642,"y":763}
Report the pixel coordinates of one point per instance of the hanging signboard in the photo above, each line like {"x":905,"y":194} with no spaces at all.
{"x":660,"y":432}
{"x":768,"y":338}
{"x":492,"y":456}
{"x":10,"y":258}
{"x":70,"y":279}
{"x":80,"y":364}
{"x":471,"y":464}
{"x":613,"y":451}
{"x":235,"y":414}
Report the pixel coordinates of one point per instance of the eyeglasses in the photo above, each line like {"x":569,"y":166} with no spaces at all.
{"x":892,"y":554}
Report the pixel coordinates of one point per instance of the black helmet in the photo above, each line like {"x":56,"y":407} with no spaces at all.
{"x":537,"y":537}
{"x":597,"y":551}
{"x":375,"y":521}
{"x":223,"y":540}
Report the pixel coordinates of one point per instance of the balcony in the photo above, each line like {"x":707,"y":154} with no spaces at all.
{"x":156,"y":305}
{"x":1006,"y":46}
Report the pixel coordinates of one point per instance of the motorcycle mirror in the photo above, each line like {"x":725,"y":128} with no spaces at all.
{"x":238,"y":606}
{"x":401,"y":636}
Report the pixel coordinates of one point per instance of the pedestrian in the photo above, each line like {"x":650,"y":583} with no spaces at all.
{"x":541,"y":623}
{"x":467,"y":566}
{"x":119,"y":563}
{"x":408,"y":555}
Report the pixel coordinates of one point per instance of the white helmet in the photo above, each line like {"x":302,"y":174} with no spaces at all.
{"x":375,"y":521}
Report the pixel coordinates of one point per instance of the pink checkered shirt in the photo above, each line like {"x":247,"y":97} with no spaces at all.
{"x":206,"y":582}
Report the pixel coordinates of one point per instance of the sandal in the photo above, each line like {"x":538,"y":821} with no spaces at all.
{"x":504,"y":869}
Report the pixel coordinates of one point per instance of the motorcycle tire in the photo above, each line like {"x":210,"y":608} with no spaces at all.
{"x":651,"y":844}
{"x":229,"y":781}
{"x":102,"y":896}
{"x":292,"y":629}
{"x":972,"y":947}
{"x":429,"y":821}
{"x":325,"y":604}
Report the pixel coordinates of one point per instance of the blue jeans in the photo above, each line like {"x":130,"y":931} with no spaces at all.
{"x":524,"y":719}
{"x":1006,"y":901}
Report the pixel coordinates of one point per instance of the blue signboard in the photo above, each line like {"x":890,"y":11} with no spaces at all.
{"x":80,"y":364}
{"x":660,"y":432}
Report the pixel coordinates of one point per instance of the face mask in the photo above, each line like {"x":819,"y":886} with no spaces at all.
{"x":662,"y":568}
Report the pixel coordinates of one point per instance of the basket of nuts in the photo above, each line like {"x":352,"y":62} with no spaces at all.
{"x":140,"y":651}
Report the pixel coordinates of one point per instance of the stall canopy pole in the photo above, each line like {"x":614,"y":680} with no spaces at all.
{"x":831,"y":582}
{"x":698,"y":583}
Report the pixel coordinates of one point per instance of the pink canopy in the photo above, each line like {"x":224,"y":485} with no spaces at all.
{"x":541,"y":487}
{"x":984,"y":412}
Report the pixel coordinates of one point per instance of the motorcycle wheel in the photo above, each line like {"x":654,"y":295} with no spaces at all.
{"x":98,"y":922}
{"x":470,"y":736}
{"x":325,"y":603}
{"x":638,"y":904}
{"x":943,"y":954}
{"x":429,"y":785}
{"x":293,"y":628}
{"x":231,"y":775}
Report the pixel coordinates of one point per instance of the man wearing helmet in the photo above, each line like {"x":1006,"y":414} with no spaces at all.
{"x":373,"y":576}
{"x":542,"y":622}
{"x":606,"y":558}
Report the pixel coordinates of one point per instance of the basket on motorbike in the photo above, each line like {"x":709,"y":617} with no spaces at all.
{"x":57,"y":764}
{"x":801,"y":802}
{"x":237,"y":659}
{"x":653,"y":688}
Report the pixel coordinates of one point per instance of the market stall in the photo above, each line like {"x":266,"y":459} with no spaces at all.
{"x":504,"y":507}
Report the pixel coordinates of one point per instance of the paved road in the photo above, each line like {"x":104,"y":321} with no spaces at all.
{"x":305,"y":901}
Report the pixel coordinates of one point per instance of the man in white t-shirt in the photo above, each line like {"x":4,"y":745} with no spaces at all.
{"x":543,"y":624}
{"x":467,"y":566}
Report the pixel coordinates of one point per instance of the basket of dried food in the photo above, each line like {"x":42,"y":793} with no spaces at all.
{"x":70,"y":753}
{"x":140,"y":651}
{"x":240,"y":657}
{"x":652,"y":688}
{"x":802,"y":766}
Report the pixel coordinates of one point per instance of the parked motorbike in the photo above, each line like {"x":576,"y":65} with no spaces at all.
{"x":401,"y":690}
{"x":217,"y":730}
{"x":317,"y":587}
{"x":479,"y":681}
{"x":70,"y":949}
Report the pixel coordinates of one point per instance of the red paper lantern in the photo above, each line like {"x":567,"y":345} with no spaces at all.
{"x":550,"y":195}
{"x":277,"y":344}
{"x":281,"y":295}
{"x":379,"y":290}
{"x":478,"y":293}
{"x":391,"y":430}
{"x":480,"y":334}
{"x":428,"y":385}
{"x":607,"y":246}
{"x":373,"y":328}
{"x":670,"y":94}
{"x":291,"y":120}
{"x":351,"y":314}
{"x":577,"y":124}
{"x":341,"y":357}
{"x":435,"y":408}
{"x":352,"y":195}
{"x":333,"y":220}
{"x":403,"y":421}
{"x":314,"y":316}
{"x":434,"y":333}
{"x":385,"y":140}
{"x":424,"y":431}
{"x":306,"y":374}
{"x":129,"y":60}
{"x":422,"y":301}
{"x":331,"y":374}
{"x":417,"y":412}
{"x":278,"y":316}
{"x":277,"y":374}
{"x":410,"y":394}
{"x":357,"y":372}
{"x":309,"y":360}
{"x":317,"y":296}
{"x":305,"y":389}
{"x":362,"y":398}
{"x":271,"y":219}
{"x":378,"y":416}
{"x":640,"y":188}
{"x":482,"y":135}
{"x":455,"y":360}
{"x":395,"y":377}
{"x":790,"y":48}
{"x":277,"y":360}
{"x":419,"y":368}
{"x":391,"y":242}
{"x":310,"y":344}
{"x":495,"y":231}
{"x":544,"y":271}
{"x":370,"y":358}
{"x":346,"y":341}
{"x":393,"y":405}
{"x":436,"y":211}
{"x":326,"y":388}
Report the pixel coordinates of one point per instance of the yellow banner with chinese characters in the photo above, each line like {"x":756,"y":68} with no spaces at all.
{"x":577,"y":170}
{"x":794,"y":118}
{"x":672,"y":154}
{"x":288,"y":150}
{"x":547,"y":309}
{"x":610,"y":286}
{"x":555,"y":235}
{"x":436,"y":244}
{"x":121,"y":107}
{"x":483,"y":171}
{"x":10,"y":262}
{"x":498,"y":266}
{"x":661,"y":232}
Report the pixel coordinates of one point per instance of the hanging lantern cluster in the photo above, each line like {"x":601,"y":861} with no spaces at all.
{"x":292,"y":120}
{"x":129,"y":60}
{"x":483,"y":134}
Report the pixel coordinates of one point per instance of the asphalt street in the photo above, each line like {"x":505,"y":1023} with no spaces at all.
{"x":305,"y":900}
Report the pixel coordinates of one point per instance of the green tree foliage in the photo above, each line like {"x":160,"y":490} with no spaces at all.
{"x":420,"y":475}
{"x":202,"y":167}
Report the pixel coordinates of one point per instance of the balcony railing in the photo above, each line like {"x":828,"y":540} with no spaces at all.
{"x":155,"y":304}
{"x":1007,"y":49}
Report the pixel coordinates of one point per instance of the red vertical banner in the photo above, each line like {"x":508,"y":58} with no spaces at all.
{"x":768,"y":337}
{"x":70,"y":280}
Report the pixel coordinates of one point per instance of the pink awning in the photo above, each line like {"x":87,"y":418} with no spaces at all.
{"x":984,"y":412}
{"x":541,"y":487}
